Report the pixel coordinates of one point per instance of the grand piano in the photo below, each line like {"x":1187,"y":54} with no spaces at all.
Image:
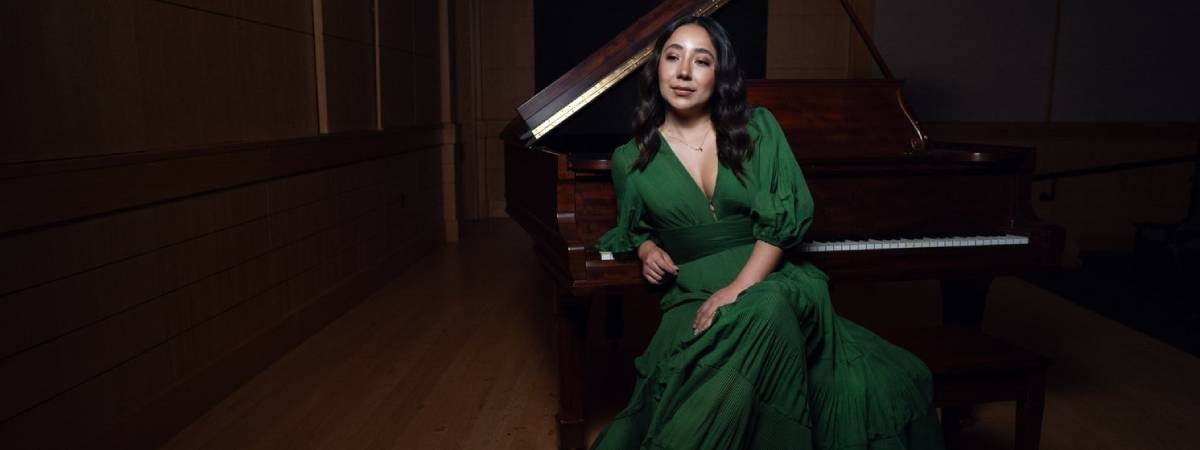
{"x":891,"y":203}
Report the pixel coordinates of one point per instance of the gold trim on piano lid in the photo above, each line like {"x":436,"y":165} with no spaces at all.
{"x":609,"y":80}
{"x":592,"y":93}
{"x":708,"y":9}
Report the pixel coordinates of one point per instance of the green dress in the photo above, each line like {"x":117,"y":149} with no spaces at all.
{"x":777,"y":369}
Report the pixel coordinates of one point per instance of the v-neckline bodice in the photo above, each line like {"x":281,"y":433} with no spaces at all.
{"x":698,"y":185}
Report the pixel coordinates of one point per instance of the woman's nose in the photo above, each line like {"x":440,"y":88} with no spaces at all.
{"x":684,"y":71}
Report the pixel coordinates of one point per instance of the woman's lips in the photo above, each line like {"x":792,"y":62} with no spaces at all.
{"x":682,"y":92}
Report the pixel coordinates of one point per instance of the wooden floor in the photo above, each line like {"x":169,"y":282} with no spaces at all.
{"x":456,"y":353}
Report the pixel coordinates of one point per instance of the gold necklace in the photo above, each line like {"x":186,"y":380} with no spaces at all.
{"x":698,"y":148}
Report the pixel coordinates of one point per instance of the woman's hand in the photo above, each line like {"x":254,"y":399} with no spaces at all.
{"x":704,"y":315}
{"x":656,"y":263}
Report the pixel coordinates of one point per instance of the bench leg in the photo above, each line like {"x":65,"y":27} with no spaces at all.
{"x":952,"y":418}
{"x":1029,"y":412}
{"x":571,"y":317}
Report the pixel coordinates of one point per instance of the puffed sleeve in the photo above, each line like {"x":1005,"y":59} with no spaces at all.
{"x":631,"y":229}
{"x":782,"y":207}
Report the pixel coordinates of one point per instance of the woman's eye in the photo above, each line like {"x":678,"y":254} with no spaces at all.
{"x":703,"y":62}
{"x":672,"y":57}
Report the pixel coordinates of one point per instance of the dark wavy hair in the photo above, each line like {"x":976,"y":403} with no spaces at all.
{"x":727,"y":106}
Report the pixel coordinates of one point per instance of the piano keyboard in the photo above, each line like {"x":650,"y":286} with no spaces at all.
{"x":903,"y":243}
{"x":893,"y":244}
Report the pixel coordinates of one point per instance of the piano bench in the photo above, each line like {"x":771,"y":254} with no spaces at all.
{"x":970,"y":368}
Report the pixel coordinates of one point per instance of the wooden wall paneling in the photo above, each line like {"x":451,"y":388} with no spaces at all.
{"x":75,"y":247}
{"x":358,"y":176}
{"x":405,"y":173}
{"x":292,"y":14}
{"x":49,"y":369}
{"x":320,"y":66}
{"x":192,"y":85}
{"x":290,"y":192}
{"x":465,"y":82}
{"x":824,"y":42}
{"x":446,"y":151}
{"x":480,"y":172}
{"x":396,"y":24}
{"x":72,"y":194}
{"x":861,"y":64}
{"x":223,"y":7}
{"x":294,"y":224}
{"x":469,"y":194}
{"x":185,"y":256}
{"x":425,"y":29}
{"x":278,"y":71}
{"x":395,"y":171}
{"x":74,"y":89}
{"x":449,"y":187}
{"x":350,"y":84}
{"x":427,"y":101}
{"x":114,"y":286}
{"x":499,"y":104}
{"x":514,"y":26}
{"x":36,"y":314}
{"x":349,"y":20}
{"x":814,"y":39}
{"x":431,"y":157}
{"x":364,"y":228}
{"x":495,"y":177}
{"x":493,"y":74}
{"x":377,"y":77}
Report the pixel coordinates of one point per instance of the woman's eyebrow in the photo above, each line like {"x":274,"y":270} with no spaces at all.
{"x":698,"y":49}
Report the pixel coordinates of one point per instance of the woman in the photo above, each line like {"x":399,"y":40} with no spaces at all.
{"x":749,"y":353}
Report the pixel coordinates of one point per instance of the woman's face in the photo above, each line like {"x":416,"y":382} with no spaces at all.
{"x":687,"y":70}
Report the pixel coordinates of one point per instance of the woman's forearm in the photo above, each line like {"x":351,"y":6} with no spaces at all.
{"x":763,"y":260}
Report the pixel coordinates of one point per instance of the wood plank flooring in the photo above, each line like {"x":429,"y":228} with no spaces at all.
{"x":456,"y":353}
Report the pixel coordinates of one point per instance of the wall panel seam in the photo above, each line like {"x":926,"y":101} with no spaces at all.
{"x":232,"y":16}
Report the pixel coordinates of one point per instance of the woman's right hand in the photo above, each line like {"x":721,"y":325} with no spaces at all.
{"x":656,"y":263}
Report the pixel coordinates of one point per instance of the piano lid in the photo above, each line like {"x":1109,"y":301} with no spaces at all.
{"x":604,"y":68}
{"x":625,"y":53}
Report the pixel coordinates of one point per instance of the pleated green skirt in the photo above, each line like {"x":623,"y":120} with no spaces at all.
{"x":776,"y":370}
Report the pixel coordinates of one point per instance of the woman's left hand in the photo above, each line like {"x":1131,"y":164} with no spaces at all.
{"x":704,"y":316}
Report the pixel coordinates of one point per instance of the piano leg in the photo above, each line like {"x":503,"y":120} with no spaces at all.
{"x":614,"y":319}
{"x":571,"y":317}
{"x":963,"y":301}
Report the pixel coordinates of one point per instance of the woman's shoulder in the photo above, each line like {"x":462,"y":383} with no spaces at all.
{"x":624,"y":155}
{"x":762,"y":121}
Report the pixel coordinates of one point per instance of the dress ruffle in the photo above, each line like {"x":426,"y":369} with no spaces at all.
{"x":749,"y":382}
{"x":631,"y":229}
{"x":782,"y":207}
{"x":774,"y":220}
